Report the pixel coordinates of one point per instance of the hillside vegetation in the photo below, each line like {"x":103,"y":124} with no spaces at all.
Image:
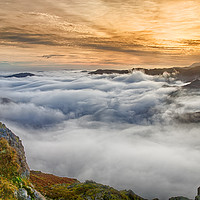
{"x":10,"y":179}
{"x":54,"y":187}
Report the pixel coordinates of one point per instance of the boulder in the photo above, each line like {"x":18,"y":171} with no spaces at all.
{"x":22,"y":194}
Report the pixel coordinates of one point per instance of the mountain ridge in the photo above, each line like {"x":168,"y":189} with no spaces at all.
{"x":182,"y":73}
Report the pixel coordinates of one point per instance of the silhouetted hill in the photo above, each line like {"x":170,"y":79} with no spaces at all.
{"x":110,"y":71}
{"x":19,"y":75}
{"x":183,"y":73}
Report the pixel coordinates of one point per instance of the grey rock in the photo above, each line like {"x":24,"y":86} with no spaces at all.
{"x":29,"y":198}
{"x":38,"y":196}
{"x":22,"y":194}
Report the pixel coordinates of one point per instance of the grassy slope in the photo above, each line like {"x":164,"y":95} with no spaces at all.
{"x":54,"y":187}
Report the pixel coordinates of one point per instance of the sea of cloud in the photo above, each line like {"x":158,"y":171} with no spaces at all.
{"x":119,"y":130}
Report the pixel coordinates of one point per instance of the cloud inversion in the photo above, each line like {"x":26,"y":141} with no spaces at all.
{"x":115,"y":129}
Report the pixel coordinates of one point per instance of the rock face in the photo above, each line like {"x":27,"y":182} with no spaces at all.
{"x":22,"y":194}
{"x":14,"y":170}
{"x":16,"y":143}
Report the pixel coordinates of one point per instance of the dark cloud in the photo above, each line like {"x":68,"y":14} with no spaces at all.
{"x":191,"y":42}
{"x":121,"y":49}
{"x":52,"y":55}
{"x":27,"y":38}
{"x":22,"y":38}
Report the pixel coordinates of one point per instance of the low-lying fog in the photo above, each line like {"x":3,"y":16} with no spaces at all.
{"x":120,"y":130}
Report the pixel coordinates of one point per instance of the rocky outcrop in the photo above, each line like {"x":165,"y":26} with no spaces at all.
{"x":22,"y":194}
{"x":16,"y":143}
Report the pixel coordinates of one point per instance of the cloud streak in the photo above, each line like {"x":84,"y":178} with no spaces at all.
{"x":52,"y":55}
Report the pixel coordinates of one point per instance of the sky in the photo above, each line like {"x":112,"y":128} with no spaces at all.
{"x":125,"y":131}
{"x":99,"y":33}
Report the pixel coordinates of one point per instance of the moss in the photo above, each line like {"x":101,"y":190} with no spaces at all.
{"x":8,"y":170}
{"x":7,"y":189}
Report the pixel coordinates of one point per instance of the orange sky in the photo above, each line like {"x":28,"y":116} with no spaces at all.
{"x":106,"y":33}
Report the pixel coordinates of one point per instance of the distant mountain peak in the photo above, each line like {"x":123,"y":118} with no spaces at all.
{"x":20,"y":75}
